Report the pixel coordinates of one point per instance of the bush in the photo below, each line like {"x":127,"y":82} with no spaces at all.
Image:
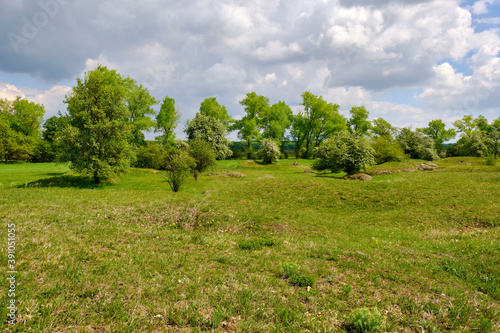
{"x":151,"y":156}
{"x":364,"y":320}
{"x":491,"y":159}
{"x":386,"y":151}
{"x":416,"y":145}
{"x":270,"y":151}
{"x":203,"y":154}
{"x":344,"y":152}
{"x":257,"y":243}
{"x":178,"y":165}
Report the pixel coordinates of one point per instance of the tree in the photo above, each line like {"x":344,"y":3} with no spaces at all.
{"x":211,"y":108}
{"x":381,"y":128}
{"x":473,"y":139}
{"x":140,"y":105}
{"x":436,"y":130}
{"x":206,"y":128}
{"x":269,"y":151}
{"x":345,"y":151}
{"x":19,"y":128}
{"x":416,"y":145}
{"x":97,"y":138}
{"x":318,"y":121}
{"x":247,"y":127}
{"x":275,"y":120}
{"x":178,"y":166}
{"x":202,"y":153}
{"x":359,"y":123}
{"x":50,"y":146}
{"x":167,"y":120}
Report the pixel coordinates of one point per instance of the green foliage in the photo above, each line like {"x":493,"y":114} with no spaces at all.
{"x":274,"y":121}
{"x":211,"y":130}
{"x":359,"y":123}
{"x":316,"y":123}
{"x":473,"y":144}
{"x":140,"y":105}
{"x":387,"y":151}
{"x":19,"y":128}
{"x":97,"y":138}
{"x":257,"y":243}
{"x":346,"y":152}
{"x":167,"y":120}
{"x":381,"y":128}
{"x":202,"y":153}
{"x":178,"y":166}
{"x":151,"y":156}
{"x":248,"y":126}
{"x":416,"y":145}
{"x":211,"y":108}
{"x":270,"y":151}
{"x":292,"y":272}
{"x":437,"y":131}
{"x":364,"y":320}
{"x":491,"y":159}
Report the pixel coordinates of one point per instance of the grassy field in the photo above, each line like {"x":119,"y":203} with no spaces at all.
{"x":422,"y":247}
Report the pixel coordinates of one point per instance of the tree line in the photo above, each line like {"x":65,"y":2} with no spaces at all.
{"x":101,"y":134}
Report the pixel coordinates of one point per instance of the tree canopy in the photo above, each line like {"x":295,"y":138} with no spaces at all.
{"x":97,"y":140}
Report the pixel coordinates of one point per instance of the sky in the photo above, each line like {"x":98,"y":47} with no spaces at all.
{"x":408,"y":62}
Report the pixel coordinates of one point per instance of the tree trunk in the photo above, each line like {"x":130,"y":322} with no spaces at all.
{"x":97,"y":180}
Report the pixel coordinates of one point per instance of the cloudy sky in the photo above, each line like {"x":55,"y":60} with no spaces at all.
{"x":406,"y":61}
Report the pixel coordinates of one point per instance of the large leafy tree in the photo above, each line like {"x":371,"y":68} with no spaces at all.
{"x":211,"y":130}
{"x":140,"y":105}
{"x":167,"y":120}
{"x":318,"y":121}
{"x":210,"y":107}
{"x":19,"y":128}
{"x":436,"y":129}
{"x":97,"y":138}
{"x":248,"y":126}
{"x":275,"y":120}
{"x":473,"y":140}
{"x":359,"y":123}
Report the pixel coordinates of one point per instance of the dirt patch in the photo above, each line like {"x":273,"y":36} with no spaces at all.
{"x":295,"y":164}
{"x":381,"y":172}
{"x":232,"y":174}
{"x":250,"y":164}
{"x":360,"y":176}
{"x":427,"y":167}
{"x":308,"y":171}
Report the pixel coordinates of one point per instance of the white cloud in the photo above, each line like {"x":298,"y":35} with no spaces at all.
{"x":481,"y":6}
{"x":488,"y":20}
{"x":9,"y":91}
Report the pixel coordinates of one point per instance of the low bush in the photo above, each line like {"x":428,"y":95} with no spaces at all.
{"x":295,"y":276}
{"x":364,"y":320}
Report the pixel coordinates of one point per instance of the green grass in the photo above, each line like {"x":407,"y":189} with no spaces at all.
{"x":422,"y":247}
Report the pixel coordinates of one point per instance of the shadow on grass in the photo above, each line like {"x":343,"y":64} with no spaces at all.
{"x":62,"y":180}
{"x":330,"y":175}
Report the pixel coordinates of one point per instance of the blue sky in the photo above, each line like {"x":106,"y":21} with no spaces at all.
{"x":406,"y":61}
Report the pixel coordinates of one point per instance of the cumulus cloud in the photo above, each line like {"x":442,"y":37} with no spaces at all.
{"x":350,"y":51}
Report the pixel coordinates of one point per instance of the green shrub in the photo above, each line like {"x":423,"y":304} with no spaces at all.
{"x":344,"y":152}
{"x":387,"y":151}
{"x":257,"y":243}
{"x":270,"y":151}
{"x":491,"y":160}
{"x":364,"y":320}
{"x":295,"y":276}
{"x":151,"y":156}
{"x":178,"y":165}
{"x":202,"y":153}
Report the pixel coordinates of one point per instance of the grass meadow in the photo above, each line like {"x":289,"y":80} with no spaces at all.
{"x":280,"y":250}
